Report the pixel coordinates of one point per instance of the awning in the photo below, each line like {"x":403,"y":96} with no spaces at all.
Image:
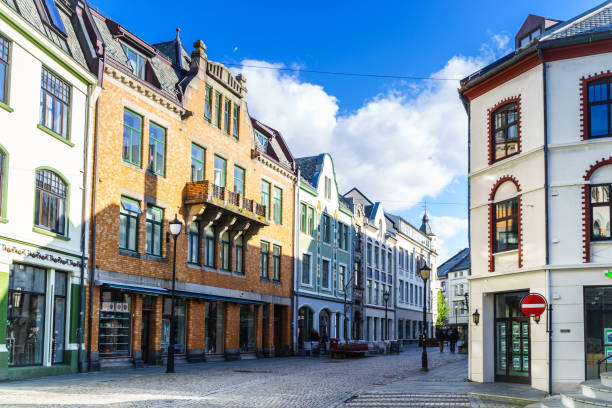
{"x":215,"y":297}
{"x":133,"y":288}
{"x":167,"y":292}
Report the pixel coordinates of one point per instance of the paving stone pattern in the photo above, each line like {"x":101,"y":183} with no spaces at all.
{"x":283,"y":382}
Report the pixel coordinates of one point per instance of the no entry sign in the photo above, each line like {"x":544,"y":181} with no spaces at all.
{"x":533,"y":305}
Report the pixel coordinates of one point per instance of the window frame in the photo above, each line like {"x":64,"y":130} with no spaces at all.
{"x":276,"y":262}
{"x":514,"y":217}
{"x":265,"y":196}
{"x":241,"y":181}
{"x":507,"y":125}
{"x":303,"y":217}
{"x":193,"y":243}
{"x":65,"y":104}
{"x":153,"y":141}
{"x":4,"y":162}
{"x":210,"y":242}
{"x":38,"y":203}
{"x":326,"y":273}
{"x":133,"y":131}
{"x":603,"y":204}
{"x":4,"y":96}
{"x":127,"y":49}
{"x":153,"y":224}
{"x":227,"y":107}
{"x":225,"y":251}
{"x":309,"y":274}
{"x":235,"y":121}
{"x":264,"y":261}
{"x":223,"y":172}
{"x":239,"y":259}
{"x":218,"y":112}
{"x":208,"y":103}
{"x":326,"y":228}
{"x":607,"y":101}
{"x":132,"y":216}
{"x":197,"y":161}
{"x":277,"y":208}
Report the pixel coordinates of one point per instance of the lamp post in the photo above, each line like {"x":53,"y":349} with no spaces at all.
{"x":386,"y":295}
{"x":425,"y":271}
{"x":175,"y":230}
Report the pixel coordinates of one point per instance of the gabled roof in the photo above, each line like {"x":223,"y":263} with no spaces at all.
{"x":597,"y":19}
{"x":458,"y":262}
{"x":357,"y":197}
{"x":69,"y":43}
{"x":310,"y":168}
{"x":276,"y":149}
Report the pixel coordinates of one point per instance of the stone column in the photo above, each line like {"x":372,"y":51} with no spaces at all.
{"x":232,"y":331}
{"x":137,"y":330}
{"x":259,"y":330}
{"x":195,"y":330}
{"x":155,"y":329}
{"x":270,"y":340}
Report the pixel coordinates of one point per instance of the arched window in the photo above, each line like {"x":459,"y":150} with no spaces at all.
{"x":506,"y":225}
{"x":505,"y":132}
{"x":50,"y":210}
{"x":505,"y":219}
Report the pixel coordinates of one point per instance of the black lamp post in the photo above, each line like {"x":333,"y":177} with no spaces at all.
{"x":386,"y":295}
{"x":425,"y":271}
{"x":175,"y":230}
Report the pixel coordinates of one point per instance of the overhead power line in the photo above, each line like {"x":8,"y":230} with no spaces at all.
{"x":351,"y":74}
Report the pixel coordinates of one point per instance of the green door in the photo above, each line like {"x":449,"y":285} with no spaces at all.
{"x":512,"y":339}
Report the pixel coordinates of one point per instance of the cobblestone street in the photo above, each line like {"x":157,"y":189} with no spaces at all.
{"x":287,"y":382}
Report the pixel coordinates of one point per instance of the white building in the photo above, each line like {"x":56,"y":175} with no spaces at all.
{"x":47,"y":96}
{"x":454,"y":274}
{"x":540,"y":174}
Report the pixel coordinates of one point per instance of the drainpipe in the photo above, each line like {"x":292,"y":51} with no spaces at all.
{"x":546,"y":220}
{"x":467,"y":106}
{"x":296,"y":256}
{"x":83,"y":234}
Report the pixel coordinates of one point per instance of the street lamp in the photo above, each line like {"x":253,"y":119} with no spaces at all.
{"x":425,"y":271}
{"x":386,"y":295}
{"x":175,"y":230}
{"x":476,"y":317}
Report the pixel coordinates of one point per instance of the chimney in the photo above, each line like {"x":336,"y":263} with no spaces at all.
{"x":198,"y":57}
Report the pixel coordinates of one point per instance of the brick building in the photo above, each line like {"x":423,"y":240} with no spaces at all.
{"x":174,"y":137}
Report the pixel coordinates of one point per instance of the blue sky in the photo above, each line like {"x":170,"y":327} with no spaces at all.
{"x":399,"y":141}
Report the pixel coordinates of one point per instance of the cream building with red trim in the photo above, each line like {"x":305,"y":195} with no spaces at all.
{"x":540,"y":150}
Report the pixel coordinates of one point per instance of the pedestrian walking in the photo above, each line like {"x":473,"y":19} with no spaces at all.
{"x":454,"y":336}
{"x":440,"y":338}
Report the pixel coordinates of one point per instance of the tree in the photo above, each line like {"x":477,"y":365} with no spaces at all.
{"x":442,"y":310}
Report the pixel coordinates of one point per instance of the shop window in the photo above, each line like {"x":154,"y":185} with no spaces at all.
{"x":276,"y":263}
{"x":247,"y":328}
{"x":239,"y":265}
{"x":264,"y":253}
{"x":59,"y":317}
{"x":209,"y":256}
{"x":128,"y":224}
{"x":4,"y":69}
{"x":601,"y":206}
{"x":114,"y":337}
{"x":214,"y":328}
{"x":26,"y":315}
{"x":179,"y":327}
{"x":155,"y":217}
{"x":197,"y":163}
{"x":54,"y":103}
{"x":225,"y":248}
{"x":157,"y":149}
{"x":193,"y":255}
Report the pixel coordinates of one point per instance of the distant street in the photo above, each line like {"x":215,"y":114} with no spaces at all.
{"x":383,"y":381}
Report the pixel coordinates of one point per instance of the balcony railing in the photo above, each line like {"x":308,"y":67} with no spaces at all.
{"x":205,"y":190}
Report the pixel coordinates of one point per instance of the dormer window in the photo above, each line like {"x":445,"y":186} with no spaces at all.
{"x":526,"y":40}
{"x":261,"y":140}
{"x":137,"y":61}
{"x":50,"y":16}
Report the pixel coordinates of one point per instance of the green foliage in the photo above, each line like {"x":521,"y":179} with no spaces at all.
{"x":442,"y":310}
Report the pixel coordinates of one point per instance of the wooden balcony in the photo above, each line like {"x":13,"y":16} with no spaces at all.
{"x":209,"y":202}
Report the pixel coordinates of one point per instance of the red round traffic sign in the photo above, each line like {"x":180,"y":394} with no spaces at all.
{"x":533,"y":305}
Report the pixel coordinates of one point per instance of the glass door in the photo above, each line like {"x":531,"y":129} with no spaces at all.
{"x":512,"y":339}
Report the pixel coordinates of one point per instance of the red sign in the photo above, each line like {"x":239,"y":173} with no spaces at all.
{"x":533,"y":305}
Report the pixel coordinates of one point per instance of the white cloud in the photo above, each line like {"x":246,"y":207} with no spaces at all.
{"x":399,"y":147}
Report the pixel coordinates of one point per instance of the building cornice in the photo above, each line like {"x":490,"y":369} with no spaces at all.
{"x":509,"y":161}
{"x":274,"y":166}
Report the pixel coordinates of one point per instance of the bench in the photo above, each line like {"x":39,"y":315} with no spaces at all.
{"x":338,"y":350}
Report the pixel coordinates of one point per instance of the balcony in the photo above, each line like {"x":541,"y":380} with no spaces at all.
{"x":214,"y":205}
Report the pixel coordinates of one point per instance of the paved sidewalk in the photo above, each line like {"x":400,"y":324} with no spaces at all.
{"x":280,"y":382}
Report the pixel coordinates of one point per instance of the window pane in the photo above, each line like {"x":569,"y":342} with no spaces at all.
{"x":600,"y":194}
{"x":3,"y":78}
{"x":599,"y":120}
{"x":597,"y":92}
{"x":197,"y":163}
{"x":219,"y":179}
{"x":239,"y":180}
{"x":601,"y":222}
{"x":59,"y":327}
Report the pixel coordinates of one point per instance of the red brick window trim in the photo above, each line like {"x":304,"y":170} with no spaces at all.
{"x":491,"y":127}
{"x":491,"y":225}
{"x":586,"y":208}
{"x":584,"y":101}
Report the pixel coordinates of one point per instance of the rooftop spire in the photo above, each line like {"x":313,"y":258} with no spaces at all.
{"x":178,"y":37}
{"x":425,"y":227}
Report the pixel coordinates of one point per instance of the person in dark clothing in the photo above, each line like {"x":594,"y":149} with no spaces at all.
{"x":314,"y":335}
{"x":440,"y":337}
{"x":324,"y":340}
{"x":454,"y":336}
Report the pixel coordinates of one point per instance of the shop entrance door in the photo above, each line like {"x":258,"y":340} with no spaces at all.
{"x":512,"y":339}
